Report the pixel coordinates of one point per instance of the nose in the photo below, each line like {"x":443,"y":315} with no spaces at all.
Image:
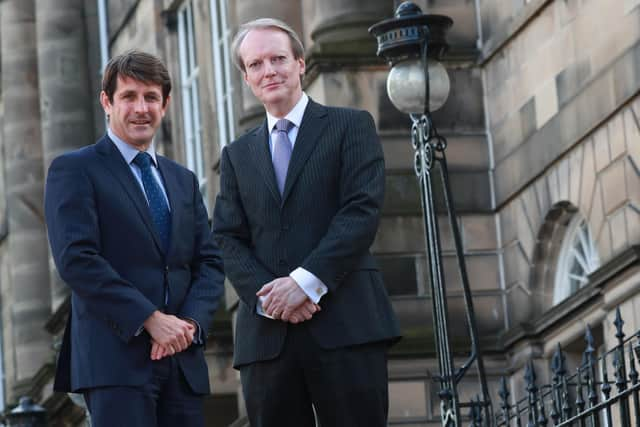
{"x":269,"y":69}
{"x":141,"y":105}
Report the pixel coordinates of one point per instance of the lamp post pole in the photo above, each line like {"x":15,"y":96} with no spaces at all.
{"x":412,"y":43}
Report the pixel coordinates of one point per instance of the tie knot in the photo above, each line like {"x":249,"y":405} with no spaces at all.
{"x":284,"y":125}
{"x":143,"y":160}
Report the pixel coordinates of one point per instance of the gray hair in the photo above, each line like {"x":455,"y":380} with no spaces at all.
{"x":261,"y":24}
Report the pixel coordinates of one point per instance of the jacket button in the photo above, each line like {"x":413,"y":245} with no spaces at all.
{"x":282,"y":262}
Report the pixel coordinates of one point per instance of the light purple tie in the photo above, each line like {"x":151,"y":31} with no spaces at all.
{"x":281,"y":151}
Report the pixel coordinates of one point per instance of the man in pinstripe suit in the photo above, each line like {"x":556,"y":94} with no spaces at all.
{"x":298,"y":209}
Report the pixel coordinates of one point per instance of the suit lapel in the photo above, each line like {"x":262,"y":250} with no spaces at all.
{"x":312,"y":125}
{"x":261,"y":157}
{"x":116,"y":164}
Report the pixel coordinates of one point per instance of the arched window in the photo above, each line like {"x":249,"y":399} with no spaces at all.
{"x":577,"y":259}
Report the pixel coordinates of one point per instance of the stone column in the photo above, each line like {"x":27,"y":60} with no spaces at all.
{"x":28,"y":255}
{"x":65,"y":94}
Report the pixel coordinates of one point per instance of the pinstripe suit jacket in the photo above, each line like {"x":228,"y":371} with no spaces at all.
{"x":325,"y":222}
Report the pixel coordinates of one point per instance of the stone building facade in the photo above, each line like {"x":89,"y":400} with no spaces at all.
{"x":543,"y":124}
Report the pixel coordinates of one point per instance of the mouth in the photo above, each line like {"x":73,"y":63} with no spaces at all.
{"x":140,"y":122}
{"x":271,"y":85}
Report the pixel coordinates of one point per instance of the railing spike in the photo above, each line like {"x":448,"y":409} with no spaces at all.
{"x":618,"y":322}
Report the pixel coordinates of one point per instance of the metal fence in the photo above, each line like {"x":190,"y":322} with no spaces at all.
{"x":603,"y":392}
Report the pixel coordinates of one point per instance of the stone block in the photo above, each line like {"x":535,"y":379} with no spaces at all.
{"x":399,"y":234}
{"x":554,"y":186}
{"x":622,"y":36}
{"x":630,"y":5}
{"x":588,"y":177}
{"x":543,"y":196}
{"x":546,"y":102}
{"x":575,"y":174}
{"x":509,"y":230}
{"x":528,"y":120}
{"x":399,"y":274}
{"x":570,"y":80}
{"x":614,"y":191}
{"x":517,"y":268}
{"x":566,"y":11}
{"x":563,"y":179}
{"x":601,"y":149}
{"x":595,"y":215}
{"x":526,"y":235}
{"x":618,"y":224}
{"x":626,"y":72}
{"x":402,"y":195}
{"x":467,"y":152}
{"x":603,"y":242}
{"x":398,"y":152}
{"x":520,"y":305}
{"x":632,"y":174}
{"x":490,"y":314}
{"x":632,"y":134}
{"x":507,"y":136}
{"x":464,"y":109}
{"x":471,"y":191}
{"x":479,"y":232}
{"x":633,"y":224}
{"x":530,"y":205}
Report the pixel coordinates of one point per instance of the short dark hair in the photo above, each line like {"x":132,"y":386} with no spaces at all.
{"x":141,"y":66}
{"x":262,"y":24}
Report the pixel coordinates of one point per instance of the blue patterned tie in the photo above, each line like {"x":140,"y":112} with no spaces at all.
{"x":158,"y":208}
{"x":282,"y":151}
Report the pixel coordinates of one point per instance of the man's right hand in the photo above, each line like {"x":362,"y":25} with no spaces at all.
{"x":169,"y":332}
{"x":302,"y":313}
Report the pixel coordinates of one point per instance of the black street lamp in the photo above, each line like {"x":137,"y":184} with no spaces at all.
{"x":418,"y":84}
{"x":27,"y":414}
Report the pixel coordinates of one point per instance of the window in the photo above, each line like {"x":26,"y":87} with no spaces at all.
{"x":222,"y":71}
{"x":578,"y":258}
{"x":189,"y":76}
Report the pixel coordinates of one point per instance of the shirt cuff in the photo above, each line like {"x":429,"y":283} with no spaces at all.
{"x":197,"y":336}
{"x":309,"y":283}
{"x":259,"y":309}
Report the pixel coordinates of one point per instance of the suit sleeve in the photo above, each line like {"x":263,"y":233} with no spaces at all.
{"x":361,"y":193}
{"x":232,"y":233}
{"x":74,"y":235}
{"x":207,"y":276}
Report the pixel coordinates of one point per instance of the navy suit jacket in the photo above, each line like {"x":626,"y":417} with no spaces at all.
{"x":325,"y":222}
{"x":106,"y":249}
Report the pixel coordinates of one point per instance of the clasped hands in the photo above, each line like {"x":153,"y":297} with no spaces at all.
{"x":284,"y":299}
{"x":169,"y":334}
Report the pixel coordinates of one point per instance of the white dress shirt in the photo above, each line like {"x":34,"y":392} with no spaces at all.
{"x":308,"y":282}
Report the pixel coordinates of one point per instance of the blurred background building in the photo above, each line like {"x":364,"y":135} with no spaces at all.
{"x":543,"y":123}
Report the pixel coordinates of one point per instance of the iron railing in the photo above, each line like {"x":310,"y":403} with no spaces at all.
{"x":603,"y":392}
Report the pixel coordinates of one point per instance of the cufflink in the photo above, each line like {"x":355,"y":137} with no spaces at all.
{"x":318,"y":291}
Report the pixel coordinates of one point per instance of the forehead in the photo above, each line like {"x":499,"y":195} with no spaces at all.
{"x":264,"y":41}
{"x":128,"y":84}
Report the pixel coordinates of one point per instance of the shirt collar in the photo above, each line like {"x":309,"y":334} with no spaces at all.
{"x":294,"y":116}
{"x":128,"y":152}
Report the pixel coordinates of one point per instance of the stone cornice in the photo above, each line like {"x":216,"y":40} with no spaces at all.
{"x":593,"y":296}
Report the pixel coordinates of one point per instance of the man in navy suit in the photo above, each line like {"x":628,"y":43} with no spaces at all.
{"x":298,"y":208}
{"x":129,"y":234}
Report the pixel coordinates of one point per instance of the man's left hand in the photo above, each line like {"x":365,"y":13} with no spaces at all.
{"x":282,"y":297}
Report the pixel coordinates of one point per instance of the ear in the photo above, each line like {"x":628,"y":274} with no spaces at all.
{"x":302,"y":66}
{"x":245,"y":77}
{"x":166,"y":105}
{"x":104,"y":101}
